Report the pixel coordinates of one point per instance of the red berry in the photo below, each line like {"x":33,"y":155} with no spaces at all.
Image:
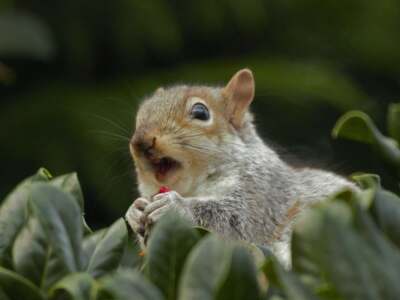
{"x":163,"y":190}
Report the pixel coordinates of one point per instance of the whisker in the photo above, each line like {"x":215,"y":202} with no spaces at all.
{"x":205,"y":150}
{"x":113,"y":123}
{"x":178,"y":130}
{"x":110,"y":134}
{"x":188,"y":135}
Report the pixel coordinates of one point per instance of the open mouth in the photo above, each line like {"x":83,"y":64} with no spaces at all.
{"x":164,"y":166}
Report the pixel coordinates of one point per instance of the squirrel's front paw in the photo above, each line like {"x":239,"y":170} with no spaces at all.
{"x":134,"y":216}
{"x":161,"y":204}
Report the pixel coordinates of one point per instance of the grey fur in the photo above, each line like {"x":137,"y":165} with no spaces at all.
{"x":250,"y":190}
{"x":264,"y":189}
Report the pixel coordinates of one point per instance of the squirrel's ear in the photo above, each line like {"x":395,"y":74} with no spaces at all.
{"x":238,"y":94}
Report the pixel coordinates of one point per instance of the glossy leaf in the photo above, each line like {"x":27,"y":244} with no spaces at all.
{"x":385,"y":265}
{"x":131,"y":258}
{"x":358,"y":126}
{"x":16,"y":287}
{"x":368,"y":184}
{"x":342,"y":256}
{"x":206,"y":269}
{"x":89,"y":245}
{"x":383,"y":205}
{"x":386,"y":212}
{"x":60,"y":217}
{"x":31,"y":252}
{"x":169,"y":245}
{"x":241,"y":281}
{"x":202,"y":231}
{"x":78,"y":286}
{"x":109,"y":250}
{"x":127,"y":285}
{"x":306,"y":237}
{"x":293,"y":288}
{"x":13,"y":214}
{"x":69,"y":183}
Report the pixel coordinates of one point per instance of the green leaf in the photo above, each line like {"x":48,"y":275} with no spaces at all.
{"x":202,"y":231}
{"x":13,"y":215}
{"x":89,"y":245}
{"x":384,"y":206}
{"x":293,"y":288}
{"x":393,"y":121}
{"x":306,"y":240}
{"x":205,"y":269}
{"x":31,"y":252}
{"x":16,"y":287}
{"x":369,"y":184}
{"x":386,"y":212}
{"x":266,"y":251}
{"x":60,"y":217}
{"x":241,"y":281}
{"x":169,"y":245}
{"x":358,"y":126}
{"x":386,"y":264}
{"x":69,"y":183}
{"x":109,"y":250}
{"x":78,"y":286}
{"x":131,"y":258}
{"x":367,"y":181}
{"x":32,"y":255}
{"x":342,"y":256}
{"x":127,"y":285}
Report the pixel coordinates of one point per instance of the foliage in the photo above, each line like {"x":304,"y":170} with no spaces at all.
{"x":340,"y":248}
{"x":48,"y":252}
{"x":313,"y":60}
{"x":358,"y":126}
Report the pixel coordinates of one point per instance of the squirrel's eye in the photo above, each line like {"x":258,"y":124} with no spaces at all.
{"x":200,"y":112}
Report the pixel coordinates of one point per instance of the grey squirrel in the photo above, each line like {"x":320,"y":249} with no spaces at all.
{"x":201,"y":142}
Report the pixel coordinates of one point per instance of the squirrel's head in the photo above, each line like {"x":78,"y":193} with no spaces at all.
{"x":181,"y":132}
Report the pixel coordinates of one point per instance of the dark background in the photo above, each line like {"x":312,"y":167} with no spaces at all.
{"x":72,"y":73}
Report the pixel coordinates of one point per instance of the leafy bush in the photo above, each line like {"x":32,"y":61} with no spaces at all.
{"x":347,"y":247}
{"x":358,"y":126}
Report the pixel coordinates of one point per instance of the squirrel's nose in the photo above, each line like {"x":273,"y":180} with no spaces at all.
{"x":144,"y":145}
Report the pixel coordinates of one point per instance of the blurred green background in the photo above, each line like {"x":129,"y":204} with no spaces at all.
{"x":73,"y":72}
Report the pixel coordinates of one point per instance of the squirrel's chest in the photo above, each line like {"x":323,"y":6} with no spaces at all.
{"x":216,"y":186}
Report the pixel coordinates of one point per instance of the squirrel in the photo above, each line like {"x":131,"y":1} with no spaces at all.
{"x":201,"y":143}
